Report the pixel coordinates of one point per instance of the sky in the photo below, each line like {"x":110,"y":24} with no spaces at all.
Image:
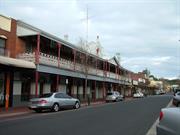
{"x":146,"y":33}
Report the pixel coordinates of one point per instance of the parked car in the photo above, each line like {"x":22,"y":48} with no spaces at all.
{"x":169,"y":122}
{"x":114,"y":96}
{"x":176,"y":90}
{"x":162,"y":92}
{"x":176,"y":99}
{"x":53,"y":101}
{"x":159,"y":92}
{"x":138,"y":95}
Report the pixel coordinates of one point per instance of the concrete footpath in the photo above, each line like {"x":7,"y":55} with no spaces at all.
{"x":19,"y":111}
{"x":13,"y":112}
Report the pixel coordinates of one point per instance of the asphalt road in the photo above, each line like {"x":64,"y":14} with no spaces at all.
{"x":133,"y":117}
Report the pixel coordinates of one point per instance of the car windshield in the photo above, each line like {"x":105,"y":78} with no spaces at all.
{"x":45,"y":95}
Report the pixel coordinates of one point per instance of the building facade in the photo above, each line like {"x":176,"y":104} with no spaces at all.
{"x":33,"y":62}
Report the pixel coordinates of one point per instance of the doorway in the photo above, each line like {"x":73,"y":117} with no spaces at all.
{"x":2,"y":90}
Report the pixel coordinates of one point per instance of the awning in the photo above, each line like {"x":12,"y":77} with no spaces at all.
{"x":16,"y":62}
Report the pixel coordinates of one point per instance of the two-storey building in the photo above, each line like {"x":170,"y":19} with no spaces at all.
{"x":33,"y":62}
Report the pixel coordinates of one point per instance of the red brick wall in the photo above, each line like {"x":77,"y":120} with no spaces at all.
{"x":14,"y":45}
{"x":20,"y":46}
{"x":11,"y":38}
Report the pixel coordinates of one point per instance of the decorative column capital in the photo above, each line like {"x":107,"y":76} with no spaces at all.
{"x":59,"y":45}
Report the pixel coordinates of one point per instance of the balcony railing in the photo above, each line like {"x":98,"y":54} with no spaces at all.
{"x":50,"y":60}
{"x":27,"y":56}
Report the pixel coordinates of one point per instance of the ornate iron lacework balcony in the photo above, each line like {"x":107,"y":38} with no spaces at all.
{"x":50,"y":60}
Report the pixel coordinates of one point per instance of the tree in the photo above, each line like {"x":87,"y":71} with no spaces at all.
{"x":147,"y":72}
{"x":85,"y":61}
{"x":154,"y":78}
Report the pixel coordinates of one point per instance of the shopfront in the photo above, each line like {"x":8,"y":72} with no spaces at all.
{"x":2,"y":89}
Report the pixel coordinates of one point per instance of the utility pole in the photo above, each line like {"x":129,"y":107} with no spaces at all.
{"x":87,"y":24}
{"x":86,"y":57}
{"x":119,"y":58}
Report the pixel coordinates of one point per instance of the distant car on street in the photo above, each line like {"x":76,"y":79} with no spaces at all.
{"x":176,"y":99}
{"x":138,"y":95}
{"x":169,"y":122}
{"x":53,"y":101}
{"x":114,"y":96}
{"x":159,"y":92}
{"x":162,"y":92}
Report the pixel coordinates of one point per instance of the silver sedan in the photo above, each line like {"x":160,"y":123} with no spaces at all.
{"x":114,"y":96}
{"x":54,"y":101}
{"x":169,"y":123}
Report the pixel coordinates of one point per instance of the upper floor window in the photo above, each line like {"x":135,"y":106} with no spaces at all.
{"x":2,"y":46}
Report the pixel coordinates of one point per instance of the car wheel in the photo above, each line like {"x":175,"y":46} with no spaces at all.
{"x":178,"y":105}
{"x":56,"y":107}
{"x":116,"y":100}
{"x":77,"y":105}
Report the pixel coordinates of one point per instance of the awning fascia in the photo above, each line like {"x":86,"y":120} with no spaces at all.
{"x":17,"y":62}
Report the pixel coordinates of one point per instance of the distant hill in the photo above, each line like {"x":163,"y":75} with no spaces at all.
{"x":174,"y":82}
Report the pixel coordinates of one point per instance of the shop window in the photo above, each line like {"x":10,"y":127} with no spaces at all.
{"x":2,"y":46}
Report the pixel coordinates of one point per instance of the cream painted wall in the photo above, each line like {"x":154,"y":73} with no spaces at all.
{"x":5,"y":23}
{"x":81,"y":90}
{"x":88,"y":90}
{"x":46,"y":88}
{"x":17,"y":88}
{"x":33,"y":89}
{"x":62,"y":88}
{"x":100,"y":93}
{"x":74,"y":90}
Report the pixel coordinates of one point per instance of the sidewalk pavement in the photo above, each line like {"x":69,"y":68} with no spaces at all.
{"x":15,"y":111}
{"x":19,"y":111}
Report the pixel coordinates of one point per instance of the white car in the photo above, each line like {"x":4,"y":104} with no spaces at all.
{"x":138,"y":95}
{"x":157,"y":92}
{"x":114,"y":96}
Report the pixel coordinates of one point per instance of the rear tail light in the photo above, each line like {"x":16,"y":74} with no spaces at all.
{"x":42,"y":101}
{"x":161,"y":116}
